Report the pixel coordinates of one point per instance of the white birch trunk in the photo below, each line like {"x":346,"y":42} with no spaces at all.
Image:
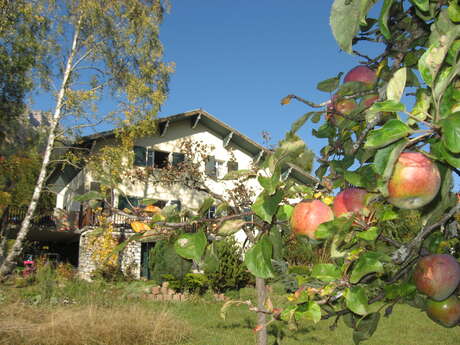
{"x":10,"y":261}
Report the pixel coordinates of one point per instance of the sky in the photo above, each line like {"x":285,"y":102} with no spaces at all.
{"x":237,"y":59}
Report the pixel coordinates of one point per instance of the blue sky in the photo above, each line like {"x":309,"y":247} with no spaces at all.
{"x":237,"y":59}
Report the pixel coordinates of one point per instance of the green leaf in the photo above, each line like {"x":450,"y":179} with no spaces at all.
{"x":351,"y":88}
{"x":329,"y":85}
{"x":327,"y":229}
{"x":388,"y":105}
{"x":397,"y":84}
{"x":363,"y":177}
{"x":266,"y":205}
{"x":422,"y":104}
{"x":270,"y":183}
{"x":345,"y":19}
{"x":326,"y":272}
{"x":258,"y":259}
{"x":365,"y":327}
{"x":277,"y":242}
{"x":92,"y":195}
{"x":301,"y":121}
{"x":451,"y":132}
{"x":233,"y":175}
{"x":284,"y":212}
{"x":205,"y":206}
{"x":230,"y":227}
{"x":394,"y":291}
{"x":440,"y":152}
{"x":148,"y":201}
{"x":309,"y":311}
{"x":370,"y":234}
{"x":386,"y":157}
{"x":211,"y":260}
{"x":368,"y":262}
{"x":423,"y":5}
{"x":431,"y":61}
{"x":191,"y":246}
{"x":356,"y":300}
{"x":454,"y":11}
{"x":383,"y":19}
{"x":391,"y":131}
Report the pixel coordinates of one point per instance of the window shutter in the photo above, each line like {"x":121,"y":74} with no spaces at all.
{"x":177,"y":158}
{"x":139,"y":156}
{"x":150,"y":157}
{"x":210,"y":167}
{"x":232,"y":166}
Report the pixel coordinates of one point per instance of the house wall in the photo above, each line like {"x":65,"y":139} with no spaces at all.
{"x":170,"y":142}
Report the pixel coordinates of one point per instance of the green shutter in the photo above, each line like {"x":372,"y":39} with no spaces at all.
{"x":210,"y":167}
{"x":177,"y":158}
{"x":140,"y":156}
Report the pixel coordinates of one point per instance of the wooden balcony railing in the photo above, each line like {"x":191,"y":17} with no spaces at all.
{"x":15,"y":215}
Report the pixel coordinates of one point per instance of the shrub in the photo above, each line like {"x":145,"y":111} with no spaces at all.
{"x":229,"y":272}
{"x":195,"y":282}
{"x":164,"y":260}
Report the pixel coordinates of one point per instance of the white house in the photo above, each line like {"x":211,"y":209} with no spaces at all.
{"x":229,"y":150}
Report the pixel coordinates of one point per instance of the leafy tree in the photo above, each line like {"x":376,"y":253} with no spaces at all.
{"x":367,"y":129}
{"x":91,"y":47}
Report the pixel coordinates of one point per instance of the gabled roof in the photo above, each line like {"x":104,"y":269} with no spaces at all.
{"x":197,"y":116}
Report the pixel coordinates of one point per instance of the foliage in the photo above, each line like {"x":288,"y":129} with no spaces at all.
{"x":228,"y":272}
{"x":164,"y":260}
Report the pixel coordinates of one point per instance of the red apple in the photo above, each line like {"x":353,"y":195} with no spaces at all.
{"x":349,"y":200}
{"x":437,"y":275}
{"x":308,"y":215}
{"x":415,"y":181}
{"x":446,"y":312}
{"x":335,"y":108}
{"x":361,"y":73}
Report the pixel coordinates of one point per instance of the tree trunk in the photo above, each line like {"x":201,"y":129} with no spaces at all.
{"x":261,"y":290}
{"x":4,"y":235}
{"x":10,"y":262}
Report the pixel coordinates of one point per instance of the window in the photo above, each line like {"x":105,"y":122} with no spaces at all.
{"x":232,"y":166}
{"x":211,"y":214}
{"x":146,"y":157}
{"x":176,"y":203}
{"x":177,"y":158}
{"x":128,"y":202}
{"x":210,"y":166}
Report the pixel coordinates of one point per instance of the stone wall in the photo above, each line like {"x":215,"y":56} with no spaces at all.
{"x":129,"y":257}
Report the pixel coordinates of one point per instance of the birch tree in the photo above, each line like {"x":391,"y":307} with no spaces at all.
{"x":96,"y":50}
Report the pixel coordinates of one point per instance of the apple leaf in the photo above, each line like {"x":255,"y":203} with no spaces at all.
{"x":356,"y":300}
{"x":454,"y":11}
{"x":266,"y":205}
{"x":230,"y":227}
{"x":365,"y":327}
{"x":284,"y":212}
{"x":451,"y":132}
{"x":258,"y":259}
{"x":301,"y":121}
{"x":388,"y":105}
{"x":270,"y":183}
{"x":329,"y":85}
{"x":327,"y":229}
{"x":383,"y":19}
{"x":191,"y":246}
{"x":386,"y":157}
{"x":326,"y":272}
{"x":345,"y":18}
{"x":391,"y":131}
{"x":397,"y":84}
{"x":233,"y":175}
{"x":423,"y":5}
{"x":368,"y":262}
{"x":370,"y":234}
{"x":205,"y":206}
{"x":309,"y":311}
{"x":422,"y":104}
{"x":394,"y":291}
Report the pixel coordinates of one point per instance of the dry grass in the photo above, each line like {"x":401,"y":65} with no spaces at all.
{"x":89,"y":325}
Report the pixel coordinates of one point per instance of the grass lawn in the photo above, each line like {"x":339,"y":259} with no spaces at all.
{"x":118,"y":315}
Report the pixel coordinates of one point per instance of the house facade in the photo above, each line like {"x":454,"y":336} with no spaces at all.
{"x":226,"y":150}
